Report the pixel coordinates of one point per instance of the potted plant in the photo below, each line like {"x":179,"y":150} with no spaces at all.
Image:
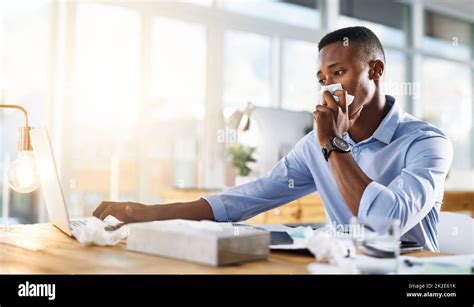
{"x":241,"y":156}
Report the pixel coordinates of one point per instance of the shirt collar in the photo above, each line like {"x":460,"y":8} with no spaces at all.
{"x":389,"y":124}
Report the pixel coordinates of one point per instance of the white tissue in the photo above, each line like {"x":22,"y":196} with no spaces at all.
{"x":94,"y":233}
{"x":332,"y":88}
{"x":329,"y":249}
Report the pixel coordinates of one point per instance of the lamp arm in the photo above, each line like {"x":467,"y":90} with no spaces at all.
{"x":13,"y":106}
{"x":24,"y":142}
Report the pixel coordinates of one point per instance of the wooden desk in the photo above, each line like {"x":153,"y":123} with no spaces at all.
{"x":46,"y":250}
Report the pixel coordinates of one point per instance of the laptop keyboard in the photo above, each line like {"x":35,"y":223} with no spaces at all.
{"x":77,"y":223}
{"x":81,"y":223}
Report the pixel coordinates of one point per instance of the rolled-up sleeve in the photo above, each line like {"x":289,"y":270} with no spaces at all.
{"x":289,"y":179}
{"x":411,"y":195}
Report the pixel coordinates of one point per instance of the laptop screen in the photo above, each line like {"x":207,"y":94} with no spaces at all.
{"x":48,"y":174}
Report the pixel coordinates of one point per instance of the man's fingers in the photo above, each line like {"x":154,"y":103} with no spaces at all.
{"x":316,"y":115}
{"x":98,"y":211}
{"x":124,"y":211}
{"x":341,"y":94}
{"x":323,"y":109}
{"x":108,"y":211}
{"x":330,"y":101}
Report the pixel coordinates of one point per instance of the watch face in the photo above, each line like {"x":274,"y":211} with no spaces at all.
{"x":341,"y":144}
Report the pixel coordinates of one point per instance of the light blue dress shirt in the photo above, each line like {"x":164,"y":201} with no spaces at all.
{"x":407,"y":159}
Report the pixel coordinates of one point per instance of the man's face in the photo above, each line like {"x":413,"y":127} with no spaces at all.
{"x":343,"y":64}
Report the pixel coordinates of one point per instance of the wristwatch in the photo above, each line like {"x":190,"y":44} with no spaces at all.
{"x":335,"y":144}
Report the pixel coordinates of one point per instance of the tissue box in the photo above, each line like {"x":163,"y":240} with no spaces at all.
{"x":203,"y":242}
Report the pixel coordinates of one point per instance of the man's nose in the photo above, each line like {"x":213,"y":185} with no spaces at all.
{"x":329,"y":81}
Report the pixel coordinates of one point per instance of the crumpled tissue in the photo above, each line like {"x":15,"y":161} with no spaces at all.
{"x":332,"y":88}
{"x":95,"y":233}
{"x":334,"y":254}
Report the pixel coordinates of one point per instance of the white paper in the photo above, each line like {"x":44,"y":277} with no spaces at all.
{"x":276,"y":227}
{"x":457,"y":260}
{"x":345,"y":266}
{"x":324,"y":242}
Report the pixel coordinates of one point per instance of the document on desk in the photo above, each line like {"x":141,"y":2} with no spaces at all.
{"x":457,"y":264}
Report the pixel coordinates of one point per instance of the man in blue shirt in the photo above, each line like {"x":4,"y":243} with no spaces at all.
{"x":369,"y":159}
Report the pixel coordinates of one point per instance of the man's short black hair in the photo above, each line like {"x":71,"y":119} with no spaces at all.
{"x":361,"y":35}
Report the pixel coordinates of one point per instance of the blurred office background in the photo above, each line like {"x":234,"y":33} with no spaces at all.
{"x":137,"y":95}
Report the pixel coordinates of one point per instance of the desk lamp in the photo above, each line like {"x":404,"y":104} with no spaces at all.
{"x":23,"y":175}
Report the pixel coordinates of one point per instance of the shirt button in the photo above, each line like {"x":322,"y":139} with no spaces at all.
{"x":355,"y":149}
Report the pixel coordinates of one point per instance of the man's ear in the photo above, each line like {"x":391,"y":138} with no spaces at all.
{"x":376,"y":69}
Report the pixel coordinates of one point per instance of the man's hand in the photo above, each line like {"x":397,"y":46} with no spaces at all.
{"x":332,"y":119}
{"x":127,"y":212}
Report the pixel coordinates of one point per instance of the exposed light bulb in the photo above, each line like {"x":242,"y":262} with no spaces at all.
{"x":23,"y":175}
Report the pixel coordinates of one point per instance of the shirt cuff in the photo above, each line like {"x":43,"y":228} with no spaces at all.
{"x":217,"y":206}
{"x":375,"y":217}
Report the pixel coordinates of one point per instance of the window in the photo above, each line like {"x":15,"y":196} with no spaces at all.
{"x":446,"y":36}
{"x":176,"y":110}
{"x":373,"y":14}
{"x":247,"y":70}
{"x":446,"y":88}
{"x":394,"y":81}
{"x":292,"y":12}
{"x":178,"y":68}
{"x":199,"y":2}
{"x":105,"y":109}
{"x":299,"y":83}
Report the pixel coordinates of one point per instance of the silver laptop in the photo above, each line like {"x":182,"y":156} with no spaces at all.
{"x":50,"y":184}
